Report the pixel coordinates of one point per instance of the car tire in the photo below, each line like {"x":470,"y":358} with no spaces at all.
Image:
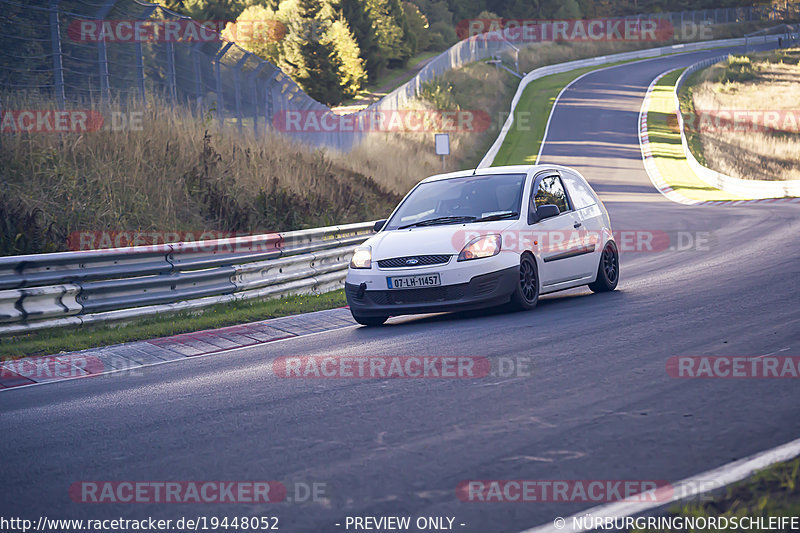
{"x":607,"y":270}
{"x":526,"y":294}
{"x":370,"y":321}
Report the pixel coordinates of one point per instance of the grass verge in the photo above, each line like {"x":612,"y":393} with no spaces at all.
{"x":178,"y":172}
{"x":665,"y":144}
{"x":49,"y":342}
{"x":772,"y":492}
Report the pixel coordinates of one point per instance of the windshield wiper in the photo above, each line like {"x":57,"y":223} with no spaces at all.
{"x":498,"y":216}
{"x":439,"y":220}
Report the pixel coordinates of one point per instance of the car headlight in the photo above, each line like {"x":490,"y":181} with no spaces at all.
{"x":484,"y":246}
{"x":362,"y":258}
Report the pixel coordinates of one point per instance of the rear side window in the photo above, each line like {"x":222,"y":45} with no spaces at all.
{"x":579,"y":192}
{"x":551,"y":191}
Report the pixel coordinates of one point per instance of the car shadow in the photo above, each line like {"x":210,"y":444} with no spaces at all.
{"x":550,"y":301}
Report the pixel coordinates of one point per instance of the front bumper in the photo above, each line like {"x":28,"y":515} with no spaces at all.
{"x":485,"y":290}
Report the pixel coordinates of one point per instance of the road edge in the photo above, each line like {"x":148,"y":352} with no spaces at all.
{"x":685,"y":489}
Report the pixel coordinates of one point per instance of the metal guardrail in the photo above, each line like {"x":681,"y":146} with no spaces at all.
{"x":71,"y":288}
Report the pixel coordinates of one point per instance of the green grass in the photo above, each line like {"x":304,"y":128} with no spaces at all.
{"x":772,"y":492}
{"x":49,"y":342}
{"x":665,"y":144}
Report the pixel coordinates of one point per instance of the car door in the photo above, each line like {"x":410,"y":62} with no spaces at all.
{"x":587,"y":208}
{"x":560,"y":239}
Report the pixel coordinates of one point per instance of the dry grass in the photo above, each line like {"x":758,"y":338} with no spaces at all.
{"x":537,"y":55}
{"x":769,"y":81}
{"x":179,"y":172}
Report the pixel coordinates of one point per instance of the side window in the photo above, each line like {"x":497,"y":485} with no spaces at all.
{"x":579,"y":192}
{"x":551,"y":191}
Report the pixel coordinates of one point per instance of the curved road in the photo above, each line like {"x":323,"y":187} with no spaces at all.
{"x":598,"y":405}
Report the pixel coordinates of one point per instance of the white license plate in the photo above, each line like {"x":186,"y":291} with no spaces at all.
{"x":413,"y":282}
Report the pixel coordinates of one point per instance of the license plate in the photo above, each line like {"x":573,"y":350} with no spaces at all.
{"x":413,"y":282}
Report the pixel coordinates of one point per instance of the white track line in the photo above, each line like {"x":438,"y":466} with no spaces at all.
{"x":684,"y":489}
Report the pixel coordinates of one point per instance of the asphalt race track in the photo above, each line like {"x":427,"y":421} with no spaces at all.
{"x":598,"y":404}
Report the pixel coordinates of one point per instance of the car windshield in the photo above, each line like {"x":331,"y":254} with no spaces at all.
{"x":458,"y":200}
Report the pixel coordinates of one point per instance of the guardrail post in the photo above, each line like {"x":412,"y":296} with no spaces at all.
{"x":58,"y":66}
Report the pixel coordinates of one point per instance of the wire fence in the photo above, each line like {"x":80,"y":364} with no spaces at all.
{"x":88,"y":53}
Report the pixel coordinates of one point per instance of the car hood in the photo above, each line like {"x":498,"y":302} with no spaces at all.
{"x":446,"y":239}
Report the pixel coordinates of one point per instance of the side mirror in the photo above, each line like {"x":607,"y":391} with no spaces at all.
{"x":543,"y":212}
{"x":379,"y":225}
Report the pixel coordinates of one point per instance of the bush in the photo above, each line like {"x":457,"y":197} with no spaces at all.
{"x":738,"y":69}
{"x":443,"y":35}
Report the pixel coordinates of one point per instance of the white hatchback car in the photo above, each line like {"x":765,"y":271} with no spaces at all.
{"x":482,"y":238}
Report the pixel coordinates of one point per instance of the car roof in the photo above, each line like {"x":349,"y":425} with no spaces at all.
{"x":509,"y":169}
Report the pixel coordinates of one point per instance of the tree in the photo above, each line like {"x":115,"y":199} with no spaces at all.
{"x":351,"y":67}
{"x":360,"y":23}
{"x":418,"y":26}
{"x":307,"y":39}
{"x":569,"y":9}
{"x":307,"y":57}
{"x":388,"y":24}
{"x":203,"y":10}
{"x":259,"y":30}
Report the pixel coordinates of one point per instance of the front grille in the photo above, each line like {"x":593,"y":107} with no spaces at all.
{"x":418,"y":296}
{"x":417,"y":260}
